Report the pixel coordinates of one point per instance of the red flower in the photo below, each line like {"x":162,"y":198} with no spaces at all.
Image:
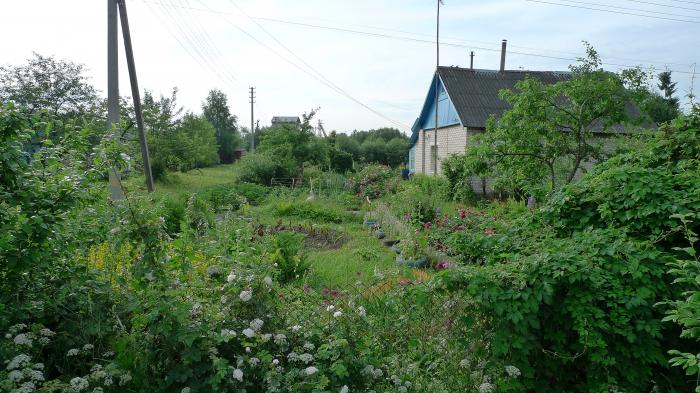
{"x":489,"y":231}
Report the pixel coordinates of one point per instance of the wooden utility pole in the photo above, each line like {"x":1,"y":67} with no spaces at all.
{"x":135,"y":93}
{"x":252,"y":119}
{"x":115,"y":190}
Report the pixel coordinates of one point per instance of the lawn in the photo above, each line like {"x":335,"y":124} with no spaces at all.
{"x":193,"y":181}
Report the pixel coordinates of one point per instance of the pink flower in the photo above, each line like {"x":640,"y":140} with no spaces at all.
{"x":307,"y":289}
{"x":462,"y":213}
{"x":426,"y":226}
{"x":443,"y":265}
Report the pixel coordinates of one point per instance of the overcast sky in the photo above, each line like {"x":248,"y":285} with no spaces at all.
{"x":198,"y":45}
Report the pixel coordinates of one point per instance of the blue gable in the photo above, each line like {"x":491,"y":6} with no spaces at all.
{"x":447,"y":114}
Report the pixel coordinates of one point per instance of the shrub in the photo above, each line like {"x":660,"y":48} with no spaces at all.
{"x":224,"y":196}
{"x":459,"y":178}
{"x":373,"y":181}
{"x":253,"y":193}
{"x":312,"y":211}
{"x":199,"y":214}
{"x":174,"y":213}
{"x":260,"y":168}
{"x":287,"y":254}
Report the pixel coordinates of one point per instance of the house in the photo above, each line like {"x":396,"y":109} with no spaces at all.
{"x":286,"y":120}
{"x":467,"y":98}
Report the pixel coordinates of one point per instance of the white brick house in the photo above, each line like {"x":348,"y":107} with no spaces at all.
{"x":467,"y":97}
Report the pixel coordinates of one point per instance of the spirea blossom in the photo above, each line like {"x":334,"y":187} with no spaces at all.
{"x":246,"y":295}
{"x":72,"y":352}
{"x":344,"y":389}
{"x":79,"y":384}
{"x":268,"y":281}
{"x":256,"y":324}
{"x":306,"y":358}
{"x":249,"y":332}
{"x":310,"y":370}
{"x":238,"y":375}
{"x":512,"y":371}
{"x":23,"y":339}
{"x":19,"y":361}
{"x":185,"y":390}
{"x":337,"y":314}
{"x":231,"y":277}
{"x":485,"y":388}
{"x":361,"y":312}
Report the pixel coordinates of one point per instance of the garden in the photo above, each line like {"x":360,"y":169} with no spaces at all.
{"x":357,"y":281}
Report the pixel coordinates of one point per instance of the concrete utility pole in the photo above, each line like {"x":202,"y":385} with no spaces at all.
{"x":115,"y":190}
{"x":471,"y":61}
{"x":437,"y":89}
{"x":135,"y":93}
{"x":252,"y":119}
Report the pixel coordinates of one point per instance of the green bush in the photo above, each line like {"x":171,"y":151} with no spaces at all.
{"x":255,"y":194}
{"x":260,"y":168}
{"x":312,"y":211}
{"x":199,"y":214}
{"x":287,"y":253}
{"x":373,"y":181}
{"x":174,"y":213}
{"x":224,"y":196}
{"x":459,"y":178}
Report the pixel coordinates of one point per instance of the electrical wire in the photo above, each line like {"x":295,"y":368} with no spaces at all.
{"x":665,"y":5}
{"x":325,"y":82}
{"x":614,"y":12}
{"x":630,"y":9}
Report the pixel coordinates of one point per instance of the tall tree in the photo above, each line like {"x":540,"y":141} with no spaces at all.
{"x":216,"y":110}
{"x":162,"y":115}
{"x":45,"y":83}
{"x":667,"y":87}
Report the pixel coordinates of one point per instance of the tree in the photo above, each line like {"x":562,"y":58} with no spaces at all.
{"x":349,"y":145}
{"x":45,"y":83}
{"x":228,"y":138}
{"x":396,"y":151}
{"x":550,"y":127}
{"x":374,"y":150}
{"x":163,"y":115}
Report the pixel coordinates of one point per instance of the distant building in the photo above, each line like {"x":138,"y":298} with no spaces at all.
{"x":286,"y":120}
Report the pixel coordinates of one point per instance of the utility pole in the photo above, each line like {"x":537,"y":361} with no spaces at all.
{"x":115,"y":190}
{"x":252,"y":119}
{"x":437,"y":88}
{"x":135,"y":94}
{"x":471,"y":61}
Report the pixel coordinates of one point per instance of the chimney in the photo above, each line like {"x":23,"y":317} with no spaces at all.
{"x":471,"y":63}
{"x":503,"y":55}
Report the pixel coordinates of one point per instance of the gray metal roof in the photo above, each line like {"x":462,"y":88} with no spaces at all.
{"x":475,"y":93}
{"x":286,"y":119}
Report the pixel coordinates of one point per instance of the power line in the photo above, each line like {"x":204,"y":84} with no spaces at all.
{"x":629,"y":9}
{"x":664,"y":5}
{"x":614,"y":12}
{"x":330,"y":85}
{"x":360,"y":32}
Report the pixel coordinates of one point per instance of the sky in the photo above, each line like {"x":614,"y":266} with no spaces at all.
{"x":366,"y":64}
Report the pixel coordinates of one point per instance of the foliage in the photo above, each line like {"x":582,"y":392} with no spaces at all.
{"x":191,"y":145}
{"x":373,"y":181}
{"x":45,"y":83}
{"x":461,"y":169}
{"x":386,"y":146}
{"x":542,"y":142}
{"x":314,"y":211}
{"x":261,"y":168}
{"x":288,"y":257}
{"x":216,"y":111}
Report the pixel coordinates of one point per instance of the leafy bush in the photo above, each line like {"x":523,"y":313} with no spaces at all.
{"x":224,"y":196}
{"x":199,"y":214}
{"x":373,"y":181}
{"x":260,"y":168}
{"x":459,"y":175}
{"x":174,"y":213}
{"x":253,"y":193}
{"x":312,"y":211}
{"x":287,"y":254}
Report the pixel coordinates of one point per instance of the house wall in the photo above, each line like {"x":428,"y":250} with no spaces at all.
{"x":450,"y":140}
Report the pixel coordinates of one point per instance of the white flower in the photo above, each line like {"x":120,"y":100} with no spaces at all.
{"x":124,"y":379}
{"x":280,"y":339}
{"x":306,"y":358}
{"x":23,"y":339}
{"x":266,"y":337}
{"x":512,"y":371}
{"x":15,"y":376}
{"x":330,"y":308}
{"x":293,"y":356}
{"x":256,"y":324}
{"x":72,"y":352}
{"x":248,"y":332}
{"x":247,"y":349}
{"x":485,"y":388}
{"x":46,"y":332}
{"x":361,"y":312}
{"x":238,"y":374}
{"x":254,"y":361}
{"x":344,"y":389}
{"x":79,"y":384}
{"x":246,"y":295}
{"x":115,"y":230}
{"x":275,"y":362}
{"x":309,"y":346}
{"x":36,"y":375}
{"x":185,"y":390}
{"x":88,"y":347}
{"x":98,"y":390}
{"x":296,"y":328}
{"x":226,"y":333}
{"x":19,"y":361}
{"x":268,"y":281}
{"x":39,"y":366}
{"x":337,"y":314}
{"x":27,"y":387}
{"x":464,"y":363}
{"x":231,"y":277}
{"x":310,"y":370}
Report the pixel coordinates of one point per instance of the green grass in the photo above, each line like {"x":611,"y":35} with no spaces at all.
{"x":364,"y":253}
{"x":190,"y":182}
